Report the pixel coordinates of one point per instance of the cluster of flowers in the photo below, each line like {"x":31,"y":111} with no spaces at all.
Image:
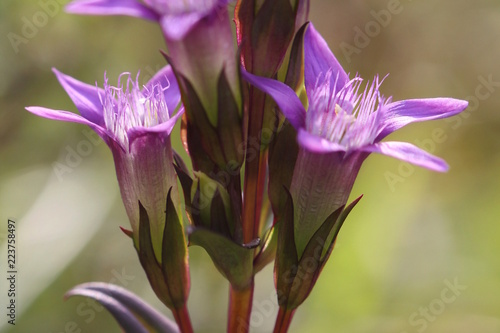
{"x":282,"y":107}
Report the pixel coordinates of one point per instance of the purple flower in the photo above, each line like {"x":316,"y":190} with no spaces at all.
{"x":176,"y":17}
{"x":136,"y":125}
{"x":345,"y":121}
{"x":201,"y":50}
{"x":198,"y":36}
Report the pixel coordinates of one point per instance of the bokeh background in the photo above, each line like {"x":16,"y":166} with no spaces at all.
{"x":413,"y":236}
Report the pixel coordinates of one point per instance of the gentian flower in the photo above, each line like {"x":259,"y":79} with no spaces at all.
{"x":136,"y":125}
{"x":346,"y":120}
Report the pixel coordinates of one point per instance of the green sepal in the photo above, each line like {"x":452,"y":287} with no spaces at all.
{"x":219,"y":221}
{"x":174,"y":257}
{"x":149,"y":262}
{"x":127,"y":232}
{"x":186,"y":184}
{"x":311,"y":263}
{"x":170,"y":278}
{"x":272,"y":30}
{"x":203,"y":192}
{"x":229,"y":123}
{"x":197,"y":116}
{"x":301,"y":277}
{"x":283,"y":153}
{"x":285,"y":265}
{"x":295,"y":72}
{"x":336,"y":229}
{"x":233,"y":261}
{"x":179,"y":163}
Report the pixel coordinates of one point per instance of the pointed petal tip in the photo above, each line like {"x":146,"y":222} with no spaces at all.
{"x":319,"y":59}
{"x":410,"y":153}
{"x":284,"y":96}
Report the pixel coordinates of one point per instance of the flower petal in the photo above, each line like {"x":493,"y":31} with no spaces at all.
{"x":163,"y":129}
{"x":317,"y":144}
{"x":283,"y":95}
{"x":70,"y":117}
{"x":166,"y":78}
{"x":402,"y":113}
{"x":85,"y":97}
{"x":408,"y":153}
{"x":318,"y":59}
{"x":112,"y":7}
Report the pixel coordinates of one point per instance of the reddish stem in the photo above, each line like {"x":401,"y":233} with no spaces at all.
{"x":240,"y":308}
{"x":255,"y":168}
{"x":182,"y":318}
{"x":283,"y":320}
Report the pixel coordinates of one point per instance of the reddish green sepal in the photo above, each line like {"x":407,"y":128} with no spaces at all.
{"x":170,"y":277}
{"x":296,"y":277}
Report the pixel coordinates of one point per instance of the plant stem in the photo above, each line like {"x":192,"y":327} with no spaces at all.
{"x":182,"y":318}
{"x":255,"y":167}
{"x":240,"y":308}
{"x":283,"y":320}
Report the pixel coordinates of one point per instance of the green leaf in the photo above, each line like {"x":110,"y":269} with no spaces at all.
{"x":233,"y":261}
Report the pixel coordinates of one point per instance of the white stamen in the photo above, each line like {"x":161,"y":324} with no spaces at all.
{"x":346,"y":117}
{"x":126,"y":106}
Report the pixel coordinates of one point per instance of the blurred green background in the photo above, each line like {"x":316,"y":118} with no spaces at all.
{"x":413,"y":235}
